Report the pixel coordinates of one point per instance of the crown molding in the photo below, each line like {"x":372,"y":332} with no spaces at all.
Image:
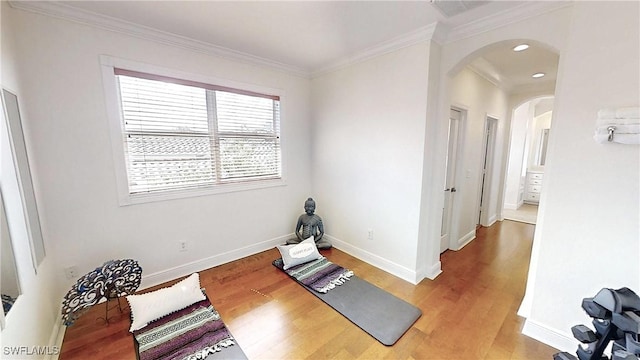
{"x":522,"y":12}
{"x":433,"y":31}
{"x":511,"y":89}
{"x":66,"y":12}
{"x":437,"y":32}
{"x":490,"y":78}
{"x":442,"y":34}
{"x":543,"y":87}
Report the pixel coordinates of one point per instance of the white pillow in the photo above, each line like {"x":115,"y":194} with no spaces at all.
{"x":156,"y":304}
{"x":297,"y":254}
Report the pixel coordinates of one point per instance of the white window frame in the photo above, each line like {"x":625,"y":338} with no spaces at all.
{"x":113,"y":107}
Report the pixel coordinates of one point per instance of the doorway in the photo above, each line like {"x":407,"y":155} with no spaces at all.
{"x":524,"y":178}
{"x":486,"y":82}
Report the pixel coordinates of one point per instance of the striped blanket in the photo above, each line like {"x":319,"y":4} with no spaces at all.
{"x":321,"y":275}
{"x":191,"y":333}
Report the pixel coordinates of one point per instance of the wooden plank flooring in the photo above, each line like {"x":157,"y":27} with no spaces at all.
{"x":469,"y":311}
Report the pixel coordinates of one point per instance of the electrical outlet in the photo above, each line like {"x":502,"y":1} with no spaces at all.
{"x":370,"y":236}
{"x":71,"y":272}
{"x":183,"y":245}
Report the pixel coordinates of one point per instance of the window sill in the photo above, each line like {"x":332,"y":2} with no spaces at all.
{"x":129,"y":199}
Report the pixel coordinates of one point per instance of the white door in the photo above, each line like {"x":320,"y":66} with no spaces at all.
{"x":450,"y":190}
{"x":485,"y":183}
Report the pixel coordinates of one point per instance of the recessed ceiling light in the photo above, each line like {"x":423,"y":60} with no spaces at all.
{"x":537,"y":75}
{"x":521,"y":47}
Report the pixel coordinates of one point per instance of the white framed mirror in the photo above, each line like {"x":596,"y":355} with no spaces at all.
{"x":9,"y":283}
{"x":21,"y":163}
{"x":542,"y":150}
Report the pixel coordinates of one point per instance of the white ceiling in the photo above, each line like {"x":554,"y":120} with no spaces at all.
{"x":315,"y":35}
{"x":512,"y":70}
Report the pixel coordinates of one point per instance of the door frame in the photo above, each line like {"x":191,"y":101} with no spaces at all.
{"x":486,"y":169}
{"x":448,"y":234}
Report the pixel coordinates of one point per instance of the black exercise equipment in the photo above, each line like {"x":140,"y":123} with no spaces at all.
{"x":616,"y":318}
{"x":583,"y":334}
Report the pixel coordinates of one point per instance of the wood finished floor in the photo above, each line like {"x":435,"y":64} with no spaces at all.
{"x":469,"y":311}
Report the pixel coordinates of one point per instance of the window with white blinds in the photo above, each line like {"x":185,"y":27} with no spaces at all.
{"x":180,"y":134}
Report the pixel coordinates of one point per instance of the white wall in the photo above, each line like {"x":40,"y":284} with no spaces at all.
{"x":588,"y":229}
{"x":32,"y":319}
{"x":8,"y":274}
{"x":67,"y":134}
{"x":478,"y":98}
{"x":369,"y":124}
{"x":349,"y":108}
{"x":589,"y":208}
{"x":546,"y":29}
{"x":428,"y":254}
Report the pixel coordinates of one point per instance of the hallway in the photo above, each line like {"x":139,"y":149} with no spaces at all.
{"x":485,"y":281}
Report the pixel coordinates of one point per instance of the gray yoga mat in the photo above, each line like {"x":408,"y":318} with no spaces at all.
{"x":377,"y":312}
{"x":231,"y":353}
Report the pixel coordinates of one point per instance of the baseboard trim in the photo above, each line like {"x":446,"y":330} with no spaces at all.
{"x":463,"y":241}
{"x":206,"y":263}
{"x":434,"y":271}
{"x":56,"y":338}
{"x":549,"y":336}
{"x":377,"y":261}
{"x":510,"y":206}
{"x":202,"y":264}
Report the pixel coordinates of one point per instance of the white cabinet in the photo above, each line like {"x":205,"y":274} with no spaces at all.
{"x":533,"y":186}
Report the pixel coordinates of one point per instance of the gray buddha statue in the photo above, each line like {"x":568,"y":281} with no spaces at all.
{"x":311,"y":225}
